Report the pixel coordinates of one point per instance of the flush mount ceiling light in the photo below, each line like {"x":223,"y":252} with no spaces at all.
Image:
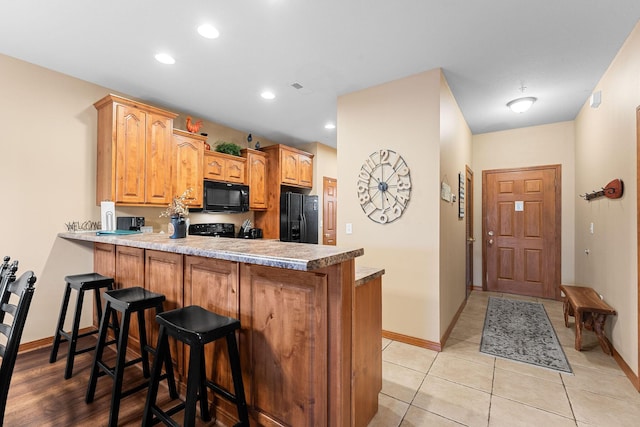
{"x":329,"y":126}
{"x":208,"y":31}
{"x":520,"y":105}
{"x":267,"y":94}
{"x":165,"y":58}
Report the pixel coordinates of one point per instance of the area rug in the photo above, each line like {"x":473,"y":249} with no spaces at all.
{"x":521,"y":331}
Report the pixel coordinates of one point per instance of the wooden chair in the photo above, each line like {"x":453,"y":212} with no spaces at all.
{"x":12,"y":330}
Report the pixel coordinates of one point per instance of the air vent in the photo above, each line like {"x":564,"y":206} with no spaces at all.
{"x":296,"y":85}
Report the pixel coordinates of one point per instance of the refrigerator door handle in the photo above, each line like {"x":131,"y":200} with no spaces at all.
{"x":303,"y":228}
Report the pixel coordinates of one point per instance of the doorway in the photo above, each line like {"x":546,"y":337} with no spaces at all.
{"x":521,"y":245}
{"x":329,"y":210}
{"x":468,"y":210}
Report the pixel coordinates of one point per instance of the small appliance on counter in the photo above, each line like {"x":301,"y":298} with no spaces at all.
{"x":219,"y":229}
{"x":129,"y":223}
{"x":248,"y":232}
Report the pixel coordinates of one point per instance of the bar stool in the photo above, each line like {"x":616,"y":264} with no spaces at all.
{"x":81,"y":283}
{"x":128,"y":301}
{"x":196,"y":327}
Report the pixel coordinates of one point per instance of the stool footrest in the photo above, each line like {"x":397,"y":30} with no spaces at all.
{"x":224,"y":393}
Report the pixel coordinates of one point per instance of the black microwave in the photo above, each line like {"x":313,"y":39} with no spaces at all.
{"x":224,"y":197}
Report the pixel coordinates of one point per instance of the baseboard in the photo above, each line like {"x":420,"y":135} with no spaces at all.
{"x":477,"y":288}
{"x":626,"y":369}
{"x":44,"y":342}
{"x":445,"y":337}
{"x":418,"y":342}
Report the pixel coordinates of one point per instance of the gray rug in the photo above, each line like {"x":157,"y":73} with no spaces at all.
{"x":521,"y":331}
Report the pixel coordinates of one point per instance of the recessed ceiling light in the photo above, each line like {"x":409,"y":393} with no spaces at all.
{"x":165,"y":58}
{"x":208,"y":31}
{"x":329,"y":126}
{"x":267,"y":94}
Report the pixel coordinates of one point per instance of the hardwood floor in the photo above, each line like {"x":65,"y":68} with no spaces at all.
{"x":40,"y":396}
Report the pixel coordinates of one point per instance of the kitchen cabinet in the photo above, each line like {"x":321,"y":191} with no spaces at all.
{"x":285,"y":166}
{"x":256,"y":178}
{"x":188,"y":165}
{"x":134,"y":152}
{"x":213,"y":285}
{"x":224,"y":167}
{"x":296,"y":166}
{"x":162,"y":271}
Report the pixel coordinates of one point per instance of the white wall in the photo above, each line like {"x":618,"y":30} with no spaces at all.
{"x":455,"y":154}
{"x":533,"y":146}
{"x":403,"y":116}
{"x":606,"y":149}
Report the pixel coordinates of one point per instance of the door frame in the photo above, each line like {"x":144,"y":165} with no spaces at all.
{"x":558,"y":225}
{"x":637,"y":377}
{"x":325,"y":181}
{"x":469,"y":236}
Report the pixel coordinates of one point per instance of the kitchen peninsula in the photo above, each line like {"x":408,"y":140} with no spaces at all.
{"x":303,"y":364}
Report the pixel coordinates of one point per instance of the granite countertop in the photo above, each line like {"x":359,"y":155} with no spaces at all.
{"x":367,"y":274}
{"x":272,"y":253}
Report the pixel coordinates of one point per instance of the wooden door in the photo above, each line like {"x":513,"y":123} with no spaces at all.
{"x":284,"y":338}
{"x":521,"y":231}
{"x":130,"y":151}
{"x":188,"y":163}
{"x":470,"y":238}
{"x":329,"y":210}
{"x":257,"y":178}
{"x":289,"y":167}
{"x":213,"y":285}
{"x":130,"y":273}
{"x":158,"y":159}
{"x":305,"y":170}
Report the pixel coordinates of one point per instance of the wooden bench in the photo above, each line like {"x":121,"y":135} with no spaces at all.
{"x":589,"y":311}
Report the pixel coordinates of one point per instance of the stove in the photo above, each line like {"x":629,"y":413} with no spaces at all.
{"x":215,"y":229}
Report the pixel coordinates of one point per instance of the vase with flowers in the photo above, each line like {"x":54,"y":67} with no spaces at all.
{"x":178,"y":211}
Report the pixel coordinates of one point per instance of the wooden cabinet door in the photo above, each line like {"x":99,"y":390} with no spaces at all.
{"x":131,"y":134}
{"x":213,"y":285}
{"x":104,"y":262}
{"x":163,"y":274}
{"x":305,"y":170}
{"x":284,"y":338}
{"x":234,"y":171}
{"x":130,"y":273}
{"x":158,"y":160}
{"x":188,"y":155}
{"x":256,"y":178}
{"x":289,"y":167}
{"x":213,"y":167}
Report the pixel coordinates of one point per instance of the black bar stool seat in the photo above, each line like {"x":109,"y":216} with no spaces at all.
{"x":81,"y":283}
{"x":127,"y":301}
{"x":196,"y":327}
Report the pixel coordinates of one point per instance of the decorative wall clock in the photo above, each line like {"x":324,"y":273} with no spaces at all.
{"x":384,"y":186}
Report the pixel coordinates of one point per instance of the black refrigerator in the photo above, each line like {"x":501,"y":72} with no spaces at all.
{"x":298,"y":218}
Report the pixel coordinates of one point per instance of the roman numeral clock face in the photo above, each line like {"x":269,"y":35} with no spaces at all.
{"x":384,"y":186}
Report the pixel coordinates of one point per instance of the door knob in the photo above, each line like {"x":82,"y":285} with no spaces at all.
{"x":490,"y":241}
{"x":490,"y":233}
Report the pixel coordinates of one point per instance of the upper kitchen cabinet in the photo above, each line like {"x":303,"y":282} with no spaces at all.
{"x":188,"y":160}
{"x":296,"y":166}
{"x":134,"y":152}
{"x":224,"y":167}
{"x":256,"y":178}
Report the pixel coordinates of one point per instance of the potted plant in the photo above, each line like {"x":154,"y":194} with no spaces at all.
{"x":228,"y":148}
{"x":177,"y":211}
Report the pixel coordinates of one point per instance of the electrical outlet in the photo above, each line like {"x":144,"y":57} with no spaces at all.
{"x":349,"y":228}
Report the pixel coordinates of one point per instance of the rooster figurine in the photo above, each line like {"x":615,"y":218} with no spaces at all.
{"x":193,"y":127}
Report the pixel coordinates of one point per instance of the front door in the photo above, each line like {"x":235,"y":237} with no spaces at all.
{"x":521,"y":231}
{"x":329,"y":210}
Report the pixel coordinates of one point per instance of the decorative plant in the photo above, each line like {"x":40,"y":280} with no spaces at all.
{"x":178,"y":206}
{"x":228,"y":148}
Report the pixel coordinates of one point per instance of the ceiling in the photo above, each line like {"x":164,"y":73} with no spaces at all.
{"x":489,"y":50}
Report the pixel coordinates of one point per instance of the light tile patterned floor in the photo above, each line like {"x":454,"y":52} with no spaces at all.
{"x":461,"y":386}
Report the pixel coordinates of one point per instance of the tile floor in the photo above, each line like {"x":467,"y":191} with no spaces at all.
{"x":461,"y":386}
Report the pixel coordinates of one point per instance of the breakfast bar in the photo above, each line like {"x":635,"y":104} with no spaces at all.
{"x":305,"y":342}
